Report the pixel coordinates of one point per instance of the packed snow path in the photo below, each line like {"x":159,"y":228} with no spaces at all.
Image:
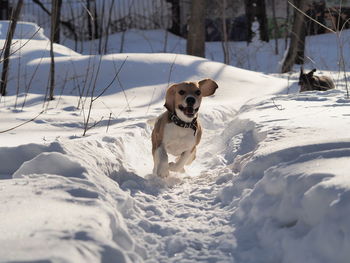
{"x":181,"y":217}
{"x":184,"y":222}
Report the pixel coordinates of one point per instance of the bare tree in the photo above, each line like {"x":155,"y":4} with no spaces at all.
{"x":4,"y":9}
{"x":68,"y":25}
{"x":175,"y":17}
{"x":54,"y":25}
{"x":262,"y":19}
{"x":296,"y":47}
{"x":57,"y":22}
{"x":256,"y":9}
{"x":108,"y":26}
{"x":196,"y":29}
{"x":89,"y":19}
{"x":275,"y":25}
{"x":9,"y":37}
{"x":224,"y":40}
{"x":93,"y":26}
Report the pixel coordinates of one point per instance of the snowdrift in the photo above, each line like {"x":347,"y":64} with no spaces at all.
{"x":292,"y":188}
{"x":269,"y":184}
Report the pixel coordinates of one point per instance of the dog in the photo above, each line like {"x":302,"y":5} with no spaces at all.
{"x":177,"y":131}
{"x":310,"y":82}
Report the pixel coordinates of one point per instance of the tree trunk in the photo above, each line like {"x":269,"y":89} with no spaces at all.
{"x":262,"y":19}
{"x":196,"y":29}
{"x":57,"y":15}
{"x":89,"y":19}
{"x":224,"y":40}
{"x":70,"y":26}
{"x":287,"y":26}
{"x":249,"y":13}
{"x":108,"y":26}
{"x":4,"y":7}
{"x":275,"y":25}
{"x":301,"y":46}
{"x":297,"y":39}
{"x":96,"y":26}
{"x":9,"y":37}
{"x":256,"y":9}
{"x":175,"y":17}
{"x":54,"y":13}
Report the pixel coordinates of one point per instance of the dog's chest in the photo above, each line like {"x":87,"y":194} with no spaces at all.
{"x":177,"y":139}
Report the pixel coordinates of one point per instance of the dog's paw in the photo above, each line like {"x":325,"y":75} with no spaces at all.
{"x":182,"y":170}
{"x":175,"y":168}
{"x":163,"y":173}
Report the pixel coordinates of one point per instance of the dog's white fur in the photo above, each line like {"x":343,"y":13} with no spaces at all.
{"x":169,"y":138}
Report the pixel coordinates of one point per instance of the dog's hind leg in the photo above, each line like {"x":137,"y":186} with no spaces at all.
{"x":192,"y":157}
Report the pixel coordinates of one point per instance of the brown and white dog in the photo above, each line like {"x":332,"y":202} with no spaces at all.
{"x":177,"y":131}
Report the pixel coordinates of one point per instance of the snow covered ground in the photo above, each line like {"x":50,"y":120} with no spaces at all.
{"x":270,"y":182}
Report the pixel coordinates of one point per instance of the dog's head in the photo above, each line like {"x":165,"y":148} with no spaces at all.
{"x":185,"y":98}
{"x":306,"y":80}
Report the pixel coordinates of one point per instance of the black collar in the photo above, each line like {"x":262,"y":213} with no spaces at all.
{"x":177,"y":121}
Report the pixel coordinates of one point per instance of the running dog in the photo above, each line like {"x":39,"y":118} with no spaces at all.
{"x":178,"y":131}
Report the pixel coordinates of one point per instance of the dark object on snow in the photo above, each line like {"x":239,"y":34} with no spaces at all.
{"x":308,"y":81}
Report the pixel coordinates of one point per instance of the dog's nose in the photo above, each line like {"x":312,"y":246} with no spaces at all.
{"x":190,"y":101}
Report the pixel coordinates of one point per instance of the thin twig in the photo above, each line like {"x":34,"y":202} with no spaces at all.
{"x":278,"y":107}
{"x":311,"y":17}
{"x":110,"y":84}
{"x":31,"y":79}
{"x":104,"y":104}
{"x":15,"y":51}
{"x":93,"y":125}
{"x":122,"y":87}
{"x":109,"y":121}
{"x":92,"y":97}
{"x":19,"y":125}
{"x":169,"y":77}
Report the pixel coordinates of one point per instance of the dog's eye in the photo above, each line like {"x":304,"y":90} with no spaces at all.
{"x":182,"y":92}
{"x":198,"y":92}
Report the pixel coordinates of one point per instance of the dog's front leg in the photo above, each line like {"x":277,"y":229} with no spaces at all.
{"x":160,"y":158}
{"x":178,"y":166}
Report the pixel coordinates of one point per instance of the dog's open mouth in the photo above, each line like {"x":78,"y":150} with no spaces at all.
{"x":188,"y":111}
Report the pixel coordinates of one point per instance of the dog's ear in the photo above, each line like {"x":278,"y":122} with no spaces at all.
{"x":170,"y":98}
{"x":311,"y":73}
{"x":301,"y":75}
{"x":207,"y":87}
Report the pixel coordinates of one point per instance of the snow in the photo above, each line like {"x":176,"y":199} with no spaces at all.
{"x":270,"y":182}
{"x":289,"y":191}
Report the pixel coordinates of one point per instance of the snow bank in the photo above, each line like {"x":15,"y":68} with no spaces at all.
{"x":62,"y":204}
{"x":24,"y":30}
{"x":292,"y":185}
{"x":51,"y":163}
{"x":13,"y":157}
{"x":29,"y":42}
{"x":269,"y":183}
{"x":258,"y":56}
{"x":55,"y":218}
